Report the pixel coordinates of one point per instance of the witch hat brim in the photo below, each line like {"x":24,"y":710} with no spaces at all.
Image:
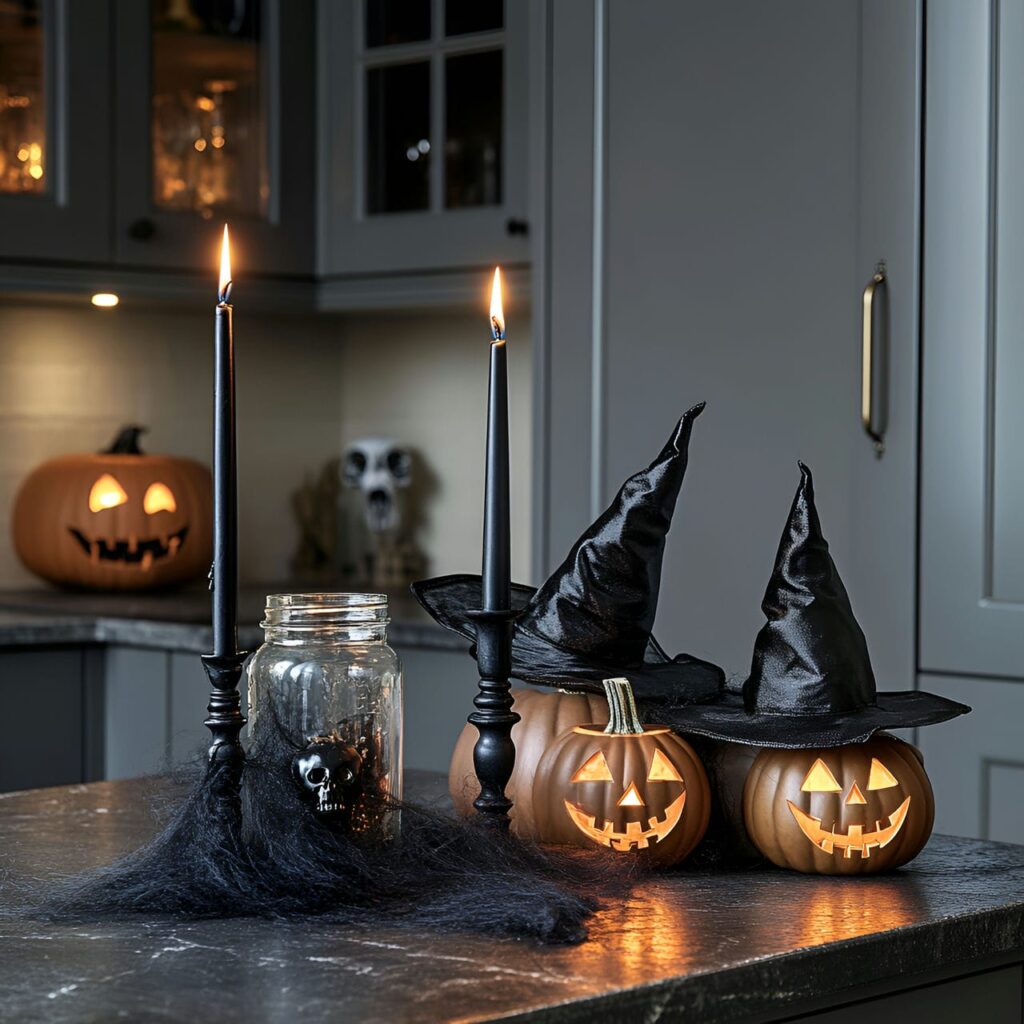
{"x":656,"y":678}
{"x":727,"y":719}
{"x":811,"y":682}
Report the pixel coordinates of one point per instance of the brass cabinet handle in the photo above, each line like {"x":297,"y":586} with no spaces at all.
{"x":873,"y":368}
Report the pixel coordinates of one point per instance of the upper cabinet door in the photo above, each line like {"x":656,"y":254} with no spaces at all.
{"x":54,"y":130}
{"x":215,"y":113}
{"x":972,"y":471}
{"x":424,"y":110}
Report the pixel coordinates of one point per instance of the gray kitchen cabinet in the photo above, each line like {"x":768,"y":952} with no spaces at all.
{"x":215,"y":111}
{"x":976,"y":763}
{"x":724,"y":178}
{"x":972,"y":473}
{"x":424,"y":109}
{"x":55,"y":131}
{"x":50,"y":729}
{"x":136,"y":721}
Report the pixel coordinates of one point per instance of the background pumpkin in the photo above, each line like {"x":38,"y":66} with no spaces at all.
{"x":544,"y":714}
{"x":620,"y":787}
{"x":119,"y":520}
{"x":779,"y":778}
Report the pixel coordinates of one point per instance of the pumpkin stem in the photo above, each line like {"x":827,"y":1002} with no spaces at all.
{"x":126,"y":442}
{"x":623,"y":719}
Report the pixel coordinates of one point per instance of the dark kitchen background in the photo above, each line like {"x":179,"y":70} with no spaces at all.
{"x":688,"y":201}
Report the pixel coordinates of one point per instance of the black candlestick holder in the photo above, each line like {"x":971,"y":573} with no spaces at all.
{"x":225,"y":722}
{"x":494,"y":755}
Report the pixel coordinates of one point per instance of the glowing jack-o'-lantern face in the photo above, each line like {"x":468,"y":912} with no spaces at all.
{"x":118,"y":520}
{"x":642,"y":789}
{"x":856,"y":809}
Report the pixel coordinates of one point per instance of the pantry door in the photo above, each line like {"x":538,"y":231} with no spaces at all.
{"x":722,"y":178}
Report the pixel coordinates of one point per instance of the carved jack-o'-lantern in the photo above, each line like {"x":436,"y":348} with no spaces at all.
{"x":627,"y":787}
{"x":858,"y":809}
{"x":543,"y":715}
{"x":120,"y":520}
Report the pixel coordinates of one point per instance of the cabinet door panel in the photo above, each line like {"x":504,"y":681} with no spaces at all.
{"x":976,"y":762}
{"x":722,"y":258}
{"x":234,"y":107}
{"x":972,"y":540}
{"x":136,"y":712}
{"x":41,"y":729}
{"x":67,"y":142}
{"x":426,"y":145}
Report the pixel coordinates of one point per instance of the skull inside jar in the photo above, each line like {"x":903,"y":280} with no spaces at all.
{"x":328,"y":681}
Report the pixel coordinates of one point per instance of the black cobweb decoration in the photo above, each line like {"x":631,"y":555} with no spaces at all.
{"x":443,"y":873}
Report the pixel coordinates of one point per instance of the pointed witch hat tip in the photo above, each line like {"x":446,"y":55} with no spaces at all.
{"x":681,"y":435}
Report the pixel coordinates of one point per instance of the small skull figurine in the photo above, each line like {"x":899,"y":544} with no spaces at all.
{"x":378,"y":466}
{"x":329,"y":771}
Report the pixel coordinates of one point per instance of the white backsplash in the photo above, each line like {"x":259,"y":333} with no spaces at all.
{"x":70,"y":377}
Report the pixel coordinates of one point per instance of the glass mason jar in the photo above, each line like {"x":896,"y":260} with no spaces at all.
{"x":327,"y":684}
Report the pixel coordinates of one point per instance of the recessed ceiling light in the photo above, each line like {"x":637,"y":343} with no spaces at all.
{"x":105,"y":300}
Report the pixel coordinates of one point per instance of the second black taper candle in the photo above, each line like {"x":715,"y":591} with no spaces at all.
{"x":497,"y":557}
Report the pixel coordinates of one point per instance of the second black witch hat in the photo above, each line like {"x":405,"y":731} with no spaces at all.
{"x":593,"y":617}
{"x":810,"y":682}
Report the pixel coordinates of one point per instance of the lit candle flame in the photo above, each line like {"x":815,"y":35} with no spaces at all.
{"x":225,"y":268}
{"x":497,"y":313}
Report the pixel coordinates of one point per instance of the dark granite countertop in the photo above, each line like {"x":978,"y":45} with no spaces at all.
{"x":174,"y":620}
{"x":757,"y":944}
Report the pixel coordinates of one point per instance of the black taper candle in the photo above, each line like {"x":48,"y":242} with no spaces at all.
{"x":224,"y":666}
{"x":494,"y":753}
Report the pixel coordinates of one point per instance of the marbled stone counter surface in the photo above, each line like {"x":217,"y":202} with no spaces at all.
{"x":174,"y":620}
{"x":691,"y":946}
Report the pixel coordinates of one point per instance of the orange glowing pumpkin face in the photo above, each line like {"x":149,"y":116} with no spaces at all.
{"x":856,"y":809}
{"x":630,"y":788}
{"x":120,"y":520}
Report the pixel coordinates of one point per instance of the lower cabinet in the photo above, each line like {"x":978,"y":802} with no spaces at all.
{"x":976,"y":762}
{"x":51,"y":725}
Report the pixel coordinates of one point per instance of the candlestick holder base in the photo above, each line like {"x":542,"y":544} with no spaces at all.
{"x":494,"y":755}
{"x":225,"y":722}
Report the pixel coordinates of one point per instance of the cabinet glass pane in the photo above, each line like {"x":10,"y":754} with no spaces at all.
{"x":398,"y":138}
{"x":22,"y":110}
{"x":473,"y":129}
{"x":209,"y":121}
{"x":464,"y":16}
{"x":397,"y":21}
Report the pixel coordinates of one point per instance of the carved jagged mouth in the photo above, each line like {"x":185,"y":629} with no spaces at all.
{"x":855,"y":840}
{"x":141,"y":553}
{"x":635,"y":836}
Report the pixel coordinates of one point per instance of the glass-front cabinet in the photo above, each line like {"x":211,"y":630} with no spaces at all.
{"x":424,"y":120}
{"x":54,"y":130}
{"x":215,"y":113}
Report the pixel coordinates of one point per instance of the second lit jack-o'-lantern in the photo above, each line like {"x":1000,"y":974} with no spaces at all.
{"x":119,"y":520}
{"x":627,"y":787}
{"x":858,"y":809}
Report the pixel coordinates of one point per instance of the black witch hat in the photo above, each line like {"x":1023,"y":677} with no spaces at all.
{"x":593,"y":617}
{"x":810,"y":682}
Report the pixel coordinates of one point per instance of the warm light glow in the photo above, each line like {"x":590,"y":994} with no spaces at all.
{"x":663,"y":770}
{"x":631,"y":798}
{"x":225,"y":265}
{"x":159,"y":499}
{"x":880,"y":776}
{"x":634,"y":836}
{"x":594,"y":769}
{"x":106,"y":493}
{"x":105,"y":300}
{"x":497,"y":310}
{"x":856,"y":796}
{"x":820,"y":780}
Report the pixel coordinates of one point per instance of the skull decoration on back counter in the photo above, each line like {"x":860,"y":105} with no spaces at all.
{"x":378,"y":467}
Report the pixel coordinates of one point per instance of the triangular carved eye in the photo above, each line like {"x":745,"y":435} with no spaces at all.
{"x":820,"y":780}
{"x":881,"y":777}
{"x":663,"y":770}
{"x":594,"y":769}
{"x":159,"y":498}
{"x":106,"y":493}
